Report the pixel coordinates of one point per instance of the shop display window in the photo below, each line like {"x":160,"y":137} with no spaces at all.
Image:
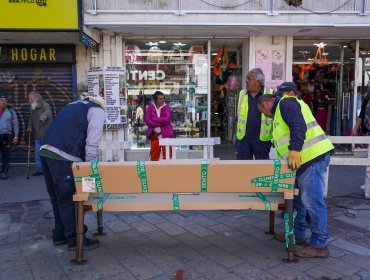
{"x":180,"y":70}
{"x":324,"y":72}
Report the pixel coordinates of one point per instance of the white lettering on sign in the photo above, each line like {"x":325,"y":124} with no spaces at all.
{"x":147,"y":75}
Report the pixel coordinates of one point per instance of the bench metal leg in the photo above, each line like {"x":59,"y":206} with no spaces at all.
{"x":289,"y":230}
{"x":99,"y":220}
{"x":80,"y":234}
{"x":271,"y":223}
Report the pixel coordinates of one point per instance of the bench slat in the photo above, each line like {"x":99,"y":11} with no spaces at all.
{"x":202,"y":201}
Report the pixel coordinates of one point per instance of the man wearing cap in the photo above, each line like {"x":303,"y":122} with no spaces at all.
{"x":8,"y":127}
{"x":299,"y":139}
{"x":73,"y":135}
{"x":253,"y":129}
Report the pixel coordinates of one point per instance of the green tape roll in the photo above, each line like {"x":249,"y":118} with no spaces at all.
{"x":203,"y":176}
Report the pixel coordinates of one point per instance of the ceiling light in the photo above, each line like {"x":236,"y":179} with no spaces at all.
{"x":162,"y":42}
{"x":152,"y":44}
{"x":344,"y":46}
{"x":214,"y":53}
{"x":179,"y":44}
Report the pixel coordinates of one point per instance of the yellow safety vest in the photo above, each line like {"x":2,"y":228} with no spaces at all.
{"x":315,"y":144}
{"x":266,"y":123}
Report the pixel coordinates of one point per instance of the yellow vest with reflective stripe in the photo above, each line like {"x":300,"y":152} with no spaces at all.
{"x":266,"y":123}
{"x":315,"y":144}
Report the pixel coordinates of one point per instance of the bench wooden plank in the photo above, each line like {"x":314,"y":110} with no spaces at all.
{"x":201,"y":201}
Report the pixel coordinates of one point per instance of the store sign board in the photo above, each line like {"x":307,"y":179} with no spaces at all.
{"x":35,"y":54}
{"x":39,"y":14}
{"x":109,"y":83}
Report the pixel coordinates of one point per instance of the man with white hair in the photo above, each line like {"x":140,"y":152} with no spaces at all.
{"x":74,"y":135}
{"x":253,"y":129}
{"x":40,"y":119}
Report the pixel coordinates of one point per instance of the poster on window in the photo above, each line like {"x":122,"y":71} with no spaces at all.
{"x":272,"y":62}
{"x":109,"y":83}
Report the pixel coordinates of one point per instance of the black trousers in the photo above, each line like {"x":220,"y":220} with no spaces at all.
{"x":5,"y":150}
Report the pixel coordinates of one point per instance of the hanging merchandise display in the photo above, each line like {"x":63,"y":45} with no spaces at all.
{"x":220,"y":62}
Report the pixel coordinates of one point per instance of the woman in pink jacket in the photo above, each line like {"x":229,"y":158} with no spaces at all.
{"x":158,"y":119}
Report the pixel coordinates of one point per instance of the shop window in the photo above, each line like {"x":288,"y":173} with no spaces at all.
{"x":324,"y":73}
{"x":179,"y":69}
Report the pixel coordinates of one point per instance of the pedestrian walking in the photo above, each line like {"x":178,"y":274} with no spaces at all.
{"x":9,"y":130}
{"x":40,"y":119}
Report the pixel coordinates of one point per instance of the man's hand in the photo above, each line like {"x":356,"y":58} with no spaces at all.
{"x":29,"y":130}
{"x":294,"y":160}
{"x":15,"y":140}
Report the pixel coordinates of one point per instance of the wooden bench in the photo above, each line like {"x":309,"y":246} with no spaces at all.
{"x":206,"y":143}
{"x":184,"y":185}
{"x":351,"y":160}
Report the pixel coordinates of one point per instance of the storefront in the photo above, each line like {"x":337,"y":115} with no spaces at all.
{"x":46,"y":69}
{"x":200,"y":84}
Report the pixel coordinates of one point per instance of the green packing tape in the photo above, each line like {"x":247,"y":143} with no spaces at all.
{"x":269,"y":184}
{"x":141,"y":172}
{"x":101,"y":201}
{"x":203,"y":176}
{"x":176,"y":202}
{"x":288,"y":231}
{"x":95,"y":171}
{"x":277,"y":169}
{"x":271,"y":177}
{"x":264,"y":200}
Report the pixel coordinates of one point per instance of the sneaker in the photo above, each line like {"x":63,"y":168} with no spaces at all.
{"x":312,"y":252}
{"x":280,"y":236}
{"x":37,"y":173}
{"x":4,"y":176}
{"x":89,"y":244}
{"x":60,"y":242}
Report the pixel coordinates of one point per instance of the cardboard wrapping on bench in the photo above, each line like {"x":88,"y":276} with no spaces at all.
{"x":184,"y":176}
{"x":202,"y":201}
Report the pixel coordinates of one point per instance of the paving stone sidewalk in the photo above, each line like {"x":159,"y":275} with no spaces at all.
{"x":203,"y":244}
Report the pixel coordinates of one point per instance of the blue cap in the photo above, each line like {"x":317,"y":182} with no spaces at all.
{"x":2,"y":95}
{"x":284,"y":87}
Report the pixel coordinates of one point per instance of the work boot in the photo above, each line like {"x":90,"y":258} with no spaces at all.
{"x":4,"y":176}
{"x":312,"y":252}
{"x":280,"y":236}
{"x":89,"y":244}
{"x":60,"y":242}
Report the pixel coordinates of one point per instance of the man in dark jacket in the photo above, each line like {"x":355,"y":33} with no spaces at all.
{"x":40,"y":119}
{"x":74,"y":135}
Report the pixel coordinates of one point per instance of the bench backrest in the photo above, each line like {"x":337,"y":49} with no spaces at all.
{"x":206,"y":143}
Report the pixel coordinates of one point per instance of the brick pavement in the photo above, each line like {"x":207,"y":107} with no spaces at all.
{"x":204,"y":244}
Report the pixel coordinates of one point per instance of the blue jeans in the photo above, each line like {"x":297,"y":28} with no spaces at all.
{"x":37,"y":155}
{"x":311,"y":184}
{"x":246,"y":149}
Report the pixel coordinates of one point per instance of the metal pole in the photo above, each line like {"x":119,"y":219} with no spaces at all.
{"x":340,"y":94}
{"x":364,"y":7}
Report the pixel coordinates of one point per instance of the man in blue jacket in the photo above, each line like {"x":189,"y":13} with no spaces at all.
{"x":74,"y":135}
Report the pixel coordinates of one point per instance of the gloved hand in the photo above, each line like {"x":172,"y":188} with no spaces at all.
{"x":294,"y":160}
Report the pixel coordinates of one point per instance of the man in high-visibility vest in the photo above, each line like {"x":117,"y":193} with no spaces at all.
{"x":299,"y":139}
{"x":253,"y":129}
